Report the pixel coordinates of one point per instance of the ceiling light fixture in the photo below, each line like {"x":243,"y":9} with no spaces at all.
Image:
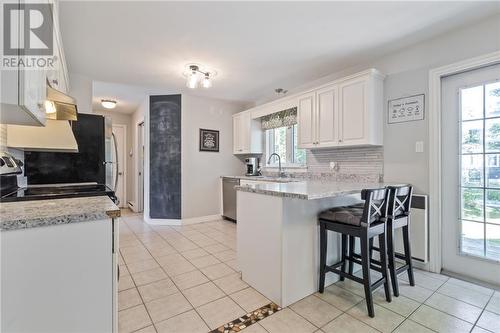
{"x":195,"y":75}
{"x":280,"y":91}
{"x":108,"y":103}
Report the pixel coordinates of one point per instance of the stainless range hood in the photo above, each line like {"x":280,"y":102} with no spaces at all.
{"x":60,"y":106}
{"x":56,"y":135}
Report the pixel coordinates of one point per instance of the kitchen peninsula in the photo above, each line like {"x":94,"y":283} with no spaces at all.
{"x":278,"y":243}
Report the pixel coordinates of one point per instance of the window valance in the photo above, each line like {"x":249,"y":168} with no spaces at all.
{"x":283,"y":118}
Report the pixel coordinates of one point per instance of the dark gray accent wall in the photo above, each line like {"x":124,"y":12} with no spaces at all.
{"x":165,"y":157}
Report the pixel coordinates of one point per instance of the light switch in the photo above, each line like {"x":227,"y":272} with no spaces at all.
{"x":419,"y":147}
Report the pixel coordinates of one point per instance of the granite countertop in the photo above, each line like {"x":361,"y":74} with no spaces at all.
{"x":309,"y":189}
{"x":265,"y":178}
{"x":40,"y":213}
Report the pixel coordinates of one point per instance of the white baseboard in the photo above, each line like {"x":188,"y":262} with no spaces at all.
{"x":201,"y":219}
{"x":162,"y":221}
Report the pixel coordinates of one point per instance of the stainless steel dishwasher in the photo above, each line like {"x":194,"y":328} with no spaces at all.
{"x":229,"y":197}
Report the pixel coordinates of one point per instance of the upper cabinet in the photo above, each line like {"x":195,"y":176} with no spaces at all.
{"x":347,"y":112}
{"x":247,"y":134}
{"x":306,"y":117}
{"x":343,"y":113}
{"x":24,"y":91}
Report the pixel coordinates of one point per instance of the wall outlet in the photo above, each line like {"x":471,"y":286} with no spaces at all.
{"x":419,"y":147}
{"x":332,"y":165}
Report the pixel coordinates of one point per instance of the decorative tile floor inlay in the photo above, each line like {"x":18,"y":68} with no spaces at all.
{"x":248,"y":319}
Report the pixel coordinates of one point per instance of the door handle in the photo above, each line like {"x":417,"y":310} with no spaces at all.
{"x":120,"y":173}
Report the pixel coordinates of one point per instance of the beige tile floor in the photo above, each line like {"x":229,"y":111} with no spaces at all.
{"x":185,"y":279}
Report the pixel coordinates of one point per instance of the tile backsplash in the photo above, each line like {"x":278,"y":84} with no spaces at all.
{"x":359,"y":164}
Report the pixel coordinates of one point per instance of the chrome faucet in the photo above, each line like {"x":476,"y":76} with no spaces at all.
{"x":281,"y":173}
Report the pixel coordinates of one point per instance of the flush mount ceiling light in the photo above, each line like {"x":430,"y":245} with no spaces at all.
{"x":196,"y":76}
{"x":280,"y":91}
{"x":108,"y":103}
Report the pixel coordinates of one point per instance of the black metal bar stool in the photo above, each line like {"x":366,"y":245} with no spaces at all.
{"x":398,"y":217}
{"x":364,"y":222}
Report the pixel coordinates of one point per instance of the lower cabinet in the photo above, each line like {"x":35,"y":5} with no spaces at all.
{"x":60,"y":278}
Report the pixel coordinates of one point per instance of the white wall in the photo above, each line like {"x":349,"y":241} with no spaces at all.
{"x":80,"y":87}
{"x":407,"y":74}
{"x":201,"y":171}
{"x":136,"y":118}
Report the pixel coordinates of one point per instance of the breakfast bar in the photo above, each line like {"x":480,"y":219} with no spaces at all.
{"x":278,"y":243}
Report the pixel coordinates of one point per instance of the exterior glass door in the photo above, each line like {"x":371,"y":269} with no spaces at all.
{"x":470,"y":138}
{"x":480,"y":169}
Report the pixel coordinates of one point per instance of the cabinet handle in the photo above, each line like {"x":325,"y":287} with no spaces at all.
{"x":340,"y":140}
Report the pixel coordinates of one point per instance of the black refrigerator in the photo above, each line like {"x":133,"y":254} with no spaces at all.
{"x":93,"y":163}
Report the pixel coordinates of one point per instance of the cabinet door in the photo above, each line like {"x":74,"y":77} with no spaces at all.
{"x":353,"y":112}
{"x":33,"y":92}
{"x":306,"y":121}
{"x":236,"y":134}
{"x":245,"y":131}
{"x":327,"y":115}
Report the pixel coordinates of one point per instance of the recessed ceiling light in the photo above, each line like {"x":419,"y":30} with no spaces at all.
{"x":108,"y":103}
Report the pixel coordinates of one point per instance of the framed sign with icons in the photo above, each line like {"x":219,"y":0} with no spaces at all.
{"x":405,"y":109}
{"x":209,"y":140}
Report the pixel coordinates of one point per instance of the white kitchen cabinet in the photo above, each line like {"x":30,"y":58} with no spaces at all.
{"x":345,"y":113}
{"x":60,"y":278}
{"x":23,"y":92}
{"x":247,"y":134}
{"x":306,"y":118}
{"x":318,"y":118}
{"x":58,"y":76}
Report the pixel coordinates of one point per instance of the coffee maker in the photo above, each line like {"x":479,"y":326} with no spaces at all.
{"x":252,"y":164}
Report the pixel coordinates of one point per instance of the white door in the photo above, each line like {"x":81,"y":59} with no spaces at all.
{"x":119,"y":131}
{"x":140,"y":167}
{"x":327,"y":116}
{"x":306,"y":121}
{"x":471,"y":174}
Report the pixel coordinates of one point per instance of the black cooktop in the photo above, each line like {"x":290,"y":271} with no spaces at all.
{"x":57,"y":192}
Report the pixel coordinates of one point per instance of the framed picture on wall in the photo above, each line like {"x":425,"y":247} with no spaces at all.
{"x":209,"y":140}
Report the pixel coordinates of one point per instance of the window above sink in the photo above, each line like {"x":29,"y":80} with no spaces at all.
{"x":283,"y":141}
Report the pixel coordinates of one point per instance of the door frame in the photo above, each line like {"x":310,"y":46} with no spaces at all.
{"x":124,"y":167}
{"x":140,"y":145}
{"x":435,"y":190}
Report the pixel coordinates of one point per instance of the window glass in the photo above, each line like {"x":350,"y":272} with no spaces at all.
{"x":283,"y":141}
{"x":492,"y":99}
{"x":472,"y":103}
{"x":480,"y":171}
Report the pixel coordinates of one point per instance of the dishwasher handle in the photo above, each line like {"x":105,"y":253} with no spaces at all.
{"x":231,"y":180}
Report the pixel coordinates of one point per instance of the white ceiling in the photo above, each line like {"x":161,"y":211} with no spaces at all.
{"x":128,"y":97}
{"x":255,"y":47}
